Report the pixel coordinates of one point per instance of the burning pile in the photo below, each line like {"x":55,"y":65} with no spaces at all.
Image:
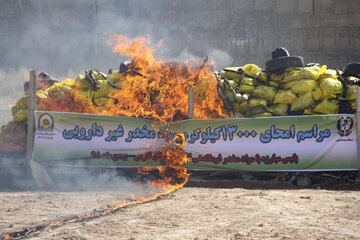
{"x":144,"y":87}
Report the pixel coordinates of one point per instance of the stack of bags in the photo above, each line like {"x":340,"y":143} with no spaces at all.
{"x":249,"y":91}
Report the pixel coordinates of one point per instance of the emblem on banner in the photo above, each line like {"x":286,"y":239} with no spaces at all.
{"x":344,"y":126}
{"x":46,"y":123}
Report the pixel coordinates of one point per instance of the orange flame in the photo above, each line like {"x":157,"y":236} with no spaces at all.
{"x":152,"y":88}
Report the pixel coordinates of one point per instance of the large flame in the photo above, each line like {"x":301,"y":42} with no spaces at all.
{"x":152,"y":88}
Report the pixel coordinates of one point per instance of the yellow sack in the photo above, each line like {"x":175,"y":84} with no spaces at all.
{"x":285,"y":96}
{"x":329,"y":73}
{"x":116,"y":77}
{"x":263,"y":76}
{"x":58,"y":90}
{"x":231,"y":96}
{"x":21,"y":115}
{"x":23,"y":102}
{"x":328,"y":106}
{"x":103,"y":91}
{"x":246,"y":81}
{"x":230,"y":75}
{"x":313,"y":72}
{"x":304,"y":86}
{"x":264,"y":92}
{"x":279,"y":109}
{"x":252,"y":103}
{"x":277,"y":77}
{"x":309,"y":111}
{"x":331,"y":87}
{"x":246,"y":88}
{"x":353,"y":105}
{"x":302,"y":102}
{"x":274,"y":84}
{"x":69,"y":82}
{"x":14,"y":109}
{"x":228,"y":85}
{"x":99,"y":76}
{"x":351,"y":92}
{"x":251,"y":69}
{"x":81,"y":83}
{"x":288,"y":85}
{"x":237,"y":106}
{"x":318,"y":94}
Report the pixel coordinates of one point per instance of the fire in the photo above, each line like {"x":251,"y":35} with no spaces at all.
{"x":151,"y":87}
{"x":161,"y":88}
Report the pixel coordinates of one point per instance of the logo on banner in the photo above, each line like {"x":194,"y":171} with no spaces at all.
{"x":46,"y":123}
{"x":345,"y":126}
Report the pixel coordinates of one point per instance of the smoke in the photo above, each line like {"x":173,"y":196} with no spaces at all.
{"x":80,"y":178}
{"x":67,"y":37}
{"x":11,"y":85}
{"x":222,"y":58}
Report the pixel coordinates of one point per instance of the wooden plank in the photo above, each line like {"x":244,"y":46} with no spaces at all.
{"x":31,"y":121}
{"x":191,"y":103}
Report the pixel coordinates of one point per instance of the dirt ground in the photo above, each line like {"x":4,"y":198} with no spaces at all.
{"x":217,"y":209}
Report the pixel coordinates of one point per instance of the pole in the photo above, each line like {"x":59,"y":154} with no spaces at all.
{"x":358,"y":126}
{"x":191,"y":103}
{"x":31,"y":122}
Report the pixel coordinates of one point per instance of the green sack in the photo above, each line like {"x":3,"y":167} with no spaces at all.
{"x":302,"y":102}
{"x":285,"y":96}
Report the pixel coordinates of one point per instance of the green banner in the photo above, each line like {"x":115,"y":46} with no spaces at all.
{"x":292,"y":143}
